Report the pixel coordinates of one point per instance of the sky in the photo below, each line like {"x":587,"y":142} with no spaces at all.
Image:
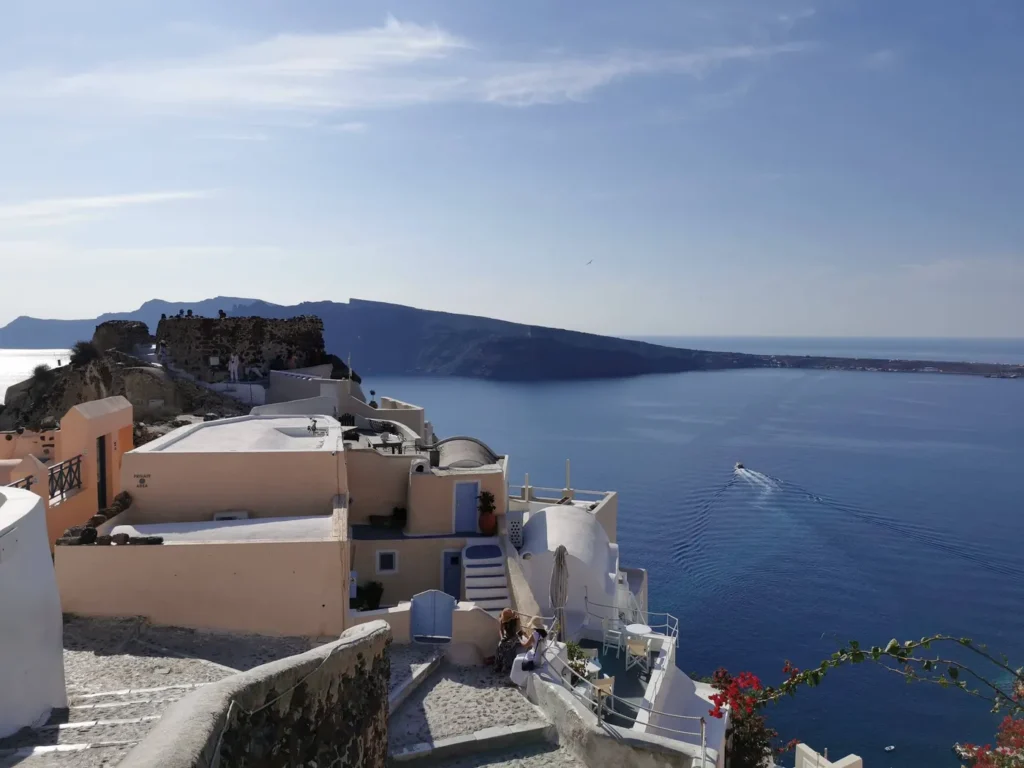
{"x":679,"y":167}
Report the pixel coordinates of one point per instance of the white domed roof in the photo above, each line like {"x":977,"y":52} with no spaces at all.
{"x":592,"y":560}
{"x":576,"y":528}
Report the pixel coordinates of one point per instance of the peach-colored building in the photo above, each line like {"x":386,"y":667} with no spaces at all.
{"x":75,"y":468}
{"x":289,"y":524}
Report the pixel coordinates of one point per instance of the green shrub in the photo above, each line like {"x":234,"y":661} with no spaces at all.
{"x":42,"y":374}
{"x":83,"y":353}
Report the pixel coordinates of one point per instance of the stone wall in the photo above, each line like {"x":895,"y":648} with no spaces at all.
{"x":261,"y":343}
{"x":325,"y":707}
{"x":122,"y":335}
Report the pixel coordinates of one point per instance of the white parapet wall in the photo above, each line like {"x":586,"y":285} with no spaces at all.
{"x":31,"y":627}
{"x":808,"y":758}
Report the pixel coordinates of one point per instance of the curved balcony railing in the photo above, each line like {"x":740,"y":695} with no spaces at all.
{"x":65,"y":477}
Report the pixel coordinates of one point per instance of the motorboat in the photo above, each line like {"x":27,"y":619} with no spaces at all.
{"x":739,"y":465}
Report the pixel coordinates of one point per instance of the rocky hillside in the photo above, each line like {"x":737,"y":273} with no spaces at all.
{"x":155,"y":396}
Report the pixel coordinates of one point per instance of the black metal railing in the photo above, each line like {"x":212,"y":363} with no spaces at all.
{"x":66,"y":477}
{"x":25,"y":483}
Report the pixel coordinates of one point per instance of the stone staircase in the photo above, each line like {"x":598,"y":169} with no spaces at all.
{"x":466,"y":713}
{"x":486,"y":584}
{"x":522,"y":756}
{"x":97,"y":729}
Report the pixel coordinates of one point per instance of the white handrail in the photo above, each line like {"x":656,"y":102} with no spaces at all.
{"x":559,"y":491}
{"x":703,"y":725}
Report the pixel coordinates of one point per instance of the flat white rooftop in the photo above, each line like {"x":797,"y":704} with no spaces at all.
{"x":319,"y":528}
{"x":252,"y":433}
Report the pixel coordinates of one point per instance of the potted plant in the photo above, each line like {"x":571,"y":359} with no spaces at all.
{"x":488,"y":520}
{"x":577,"y":661}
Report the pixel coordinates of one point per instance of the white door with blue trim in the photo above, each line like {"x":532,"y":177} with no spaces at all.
{"x":467,"y":514}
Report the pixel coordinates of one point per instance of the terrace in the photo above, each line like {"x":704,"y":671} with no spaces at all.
{"x":251,"y":434}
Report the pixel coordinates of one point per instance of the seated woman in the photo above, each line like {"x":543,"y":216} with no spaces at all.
{"x":509,"y":641}
{"x":526,"y":662}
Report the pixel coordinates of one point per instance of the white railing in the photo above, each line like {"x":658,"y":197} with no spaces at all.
{"x":598,"y":696}
{"x":519,"y":492}
{"x":664,"y":624}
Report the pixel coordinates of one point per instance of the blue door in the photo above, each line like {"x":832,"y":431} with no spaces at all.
{"x":453,"y":574}
{"x":467,"y":516}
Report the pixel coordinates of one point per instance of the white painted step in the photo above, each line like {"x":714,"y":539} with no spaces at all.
{"x":484,"y":570}
{"x":472,"y":580}
{"x":492,"y":605}
{"x":481,"y":561}
{"x":492,"y":593}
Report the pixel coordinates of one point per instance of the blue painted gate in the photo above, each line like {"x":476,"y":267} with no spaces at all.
{"x":431,"y":619}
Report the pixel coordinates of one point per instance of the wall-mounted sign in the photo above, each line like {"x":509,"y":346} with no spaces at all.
{"x":142,"y":481}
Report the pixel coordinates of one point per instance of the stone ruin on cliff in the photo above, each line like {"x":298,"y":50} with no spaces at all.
{"x":203,"y":346}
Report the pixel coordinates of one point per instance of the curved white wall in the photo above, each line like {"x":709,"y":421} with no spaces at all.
{"x":592,"y":561}
{"x":31,"y":628}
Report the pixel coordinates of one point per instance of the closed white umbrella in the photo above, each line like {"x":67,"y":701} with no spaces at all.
{"x":560,"y":588}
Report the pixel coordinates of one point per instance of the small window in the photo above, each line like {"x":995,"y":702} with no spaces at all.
{"x":387,"y":561}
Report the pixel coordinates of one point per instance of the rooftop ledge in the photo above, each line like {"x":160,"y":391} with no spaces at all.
{"x":244,"y":434}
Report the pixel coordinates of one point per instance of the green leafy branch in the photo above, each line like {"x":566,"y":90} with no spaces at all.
{"x":908,"y":660}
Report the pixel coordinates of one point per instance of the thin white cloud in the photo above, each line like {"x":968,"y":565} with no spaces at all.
{"x":62,"y":208}
{"x":250,"y":137}
{"x":351,"y":127}
{"x":397,"y":64}
{"x":562,"y":80}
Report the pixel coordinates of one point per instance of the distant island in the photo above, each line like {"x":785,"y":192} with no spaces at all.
{"x":396,"y":340}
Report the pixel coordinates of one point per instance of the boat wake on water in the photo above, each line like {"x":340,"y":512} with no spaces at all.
{"x":757,"y":479}
{"x":720,"y":519}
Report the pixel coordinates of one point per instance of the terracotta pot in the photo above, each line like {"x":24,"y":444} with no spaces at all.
{"x":488,"y":523}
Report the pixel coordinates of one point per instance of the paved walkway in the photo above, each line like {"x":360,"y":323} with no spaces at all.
{"x":456,"y":701}
{"x":407,"y":660}
{"x":545,"y":756}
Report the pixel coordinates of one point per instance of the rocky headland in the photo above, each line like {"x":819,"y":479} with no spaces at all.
{"x":390,"y":339}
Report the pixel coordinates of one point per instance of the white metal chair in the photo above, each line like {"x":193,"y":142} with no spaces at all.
{"x":638,"y":654}
{"x":613,"y":636}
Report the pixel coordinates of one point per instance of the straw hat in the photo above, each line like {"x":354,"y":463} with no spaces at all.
{"x":537,"y":623}
{"x":507,"y":615}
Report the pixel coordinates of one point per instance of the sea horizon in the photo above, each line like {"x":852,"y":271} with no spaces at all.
{"x":1006,"y":350}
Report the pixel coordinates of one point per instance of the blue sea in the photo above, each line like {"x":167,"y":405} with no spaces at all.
{"x":873,"y":506}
